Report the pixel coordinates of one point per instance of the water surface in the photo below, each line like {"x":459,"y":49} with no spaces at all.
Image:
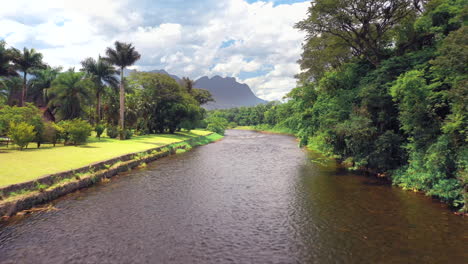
{"x":250,"y":198}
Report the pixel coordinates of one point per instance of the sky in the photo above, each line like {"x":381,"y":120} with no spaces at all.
{"x":253,"y":41}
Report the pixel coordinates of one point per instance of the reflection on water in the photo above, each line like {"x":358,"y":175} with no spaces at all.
{"x":250,"y":198}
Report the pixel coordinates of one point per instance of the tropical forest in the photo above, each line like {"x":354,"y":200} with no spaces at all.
{"x":323,"y":131}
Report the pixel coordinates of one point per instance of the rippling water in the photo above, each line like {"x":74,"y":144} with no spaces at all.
{"x":250,"y":198}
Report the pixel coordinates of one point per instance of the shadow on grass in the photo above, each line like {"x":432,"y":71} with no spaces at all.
{"x":153,"y":143}
{"x":84,"y":146}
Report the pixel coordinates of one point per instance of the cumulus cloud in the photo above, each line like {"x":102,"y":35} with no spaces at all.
{"x":252,"y":41}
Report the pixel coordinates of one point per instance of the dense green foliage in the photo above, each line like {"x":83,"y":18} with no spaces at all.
{"x":21,"y":134}
{"x":112,"y":131}
{"x":149,"y":103}
{"x":99,"y":129}
{"x":75,"y":131}
{"x":216,"y":124}
{"x":70,"y":93}
{"x":17,"y":115}
{"x":391,"y":101}
{"x":157,"y":103}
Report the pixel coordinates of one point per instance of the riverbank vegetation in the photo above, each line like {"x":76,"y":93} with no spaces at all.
{"x":383,"y":87}
{"x":44,"y":104}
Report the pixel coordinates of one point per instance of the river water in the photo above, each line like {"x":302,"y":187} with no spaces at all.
{"x":250,"y":198}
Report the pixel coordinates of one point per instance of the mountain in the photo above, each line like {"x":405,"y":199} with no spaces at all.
{"x":175,"y":77}
{"x":226,"y":91}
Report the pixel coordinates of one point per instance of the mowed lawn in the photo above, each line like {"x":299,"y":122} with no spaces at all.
{"x":20,"y":166}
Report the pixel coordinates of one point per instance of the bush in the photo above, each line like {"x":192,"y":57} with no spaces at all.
{"x":51,"y":133}
{"x":128,"y":134}
{"x":215,"y":127}
{"x":77,"y":131}
{"x":28,"y":114}
{"x":21,"y":134}
{"x":232,"y":125}
{"x":99,"y":130}
{"x":112,"y":132}
{"x":216,"y":124}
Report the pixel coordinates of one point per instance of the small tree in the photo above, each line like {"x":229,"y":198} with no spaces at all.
{"x":99,"y":130}
{"x":21,"y":134}
{"x":217,"y":124}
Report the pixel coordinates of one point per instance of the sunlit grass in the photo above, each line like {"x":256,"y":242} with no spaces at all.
{"x":245,"y":127}
{"x":267,"y":128}
{"x":20,"y":166}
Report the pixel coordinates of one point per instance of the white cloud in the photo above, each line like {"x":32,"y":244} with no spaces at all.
{"x":235,"y":64}
{"x":188,"y":42}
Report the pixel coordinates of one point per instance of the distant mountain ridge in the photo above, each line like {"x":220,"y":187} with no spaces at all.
{"x":226,"y":91}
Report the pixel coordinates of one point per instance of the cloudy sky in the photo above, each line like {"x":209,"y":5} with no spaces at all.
{"x":253,"y":41}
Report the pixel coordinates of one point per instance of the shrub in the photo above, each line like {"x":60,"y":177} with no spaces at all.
{"x":99,"y":130}
{"x":112,"y":132}
{"x":217,"y":124}
{"x":28,"y":114}
{"x":128,"y":134}
{"x":77,"y":130}
{"x":51,"y":133}
{"x":215,"y":127}
{"x":232,"y":125}
{"x":21,"y":134}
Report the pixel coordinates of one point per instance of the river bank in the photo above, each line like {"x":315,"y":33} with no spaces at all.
{"x":343,"y":163}
{"x":23,"y":196}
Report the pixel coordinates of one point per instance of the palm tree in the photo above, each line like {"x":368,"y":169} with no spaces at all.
{"x":101,"y":72}
{"x":9,"y":89}
{"x":123,"y":55}
{"x":70,"y":92}
{"x":26,"y":61}
{"x":41,"y":83}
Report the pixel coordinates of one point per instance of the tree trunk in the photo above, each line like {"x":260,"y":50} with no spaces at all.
{"x":98,"y":107}
{"x":122,"y":105}
{"x":23,"y":93}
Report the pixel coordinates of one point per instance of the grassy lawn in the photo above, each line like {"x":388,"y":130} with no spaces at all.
{"x":20,"y":166}
{"x":245,"y":127}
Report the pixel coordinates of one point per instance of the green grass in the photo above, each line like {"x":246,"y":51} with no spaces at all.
{"x":20,"y":166}
{"x":245,"y":127}
{"x":267,"y":128}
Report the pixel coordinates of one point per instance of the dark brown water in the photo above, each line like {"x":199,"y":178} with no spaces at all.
{"x":250,"y":198}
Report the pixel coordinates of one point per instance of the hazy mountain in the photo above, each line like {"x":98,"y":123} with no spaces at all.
{"x":227,"y":92}
{"x":175,"y":77}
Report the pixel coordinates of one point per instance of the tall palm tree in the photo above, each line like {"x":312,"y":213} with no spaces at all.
{"x":123,"y":55}
{"x":41,"y":83}
{"x":70,"y":92}
{"x":102,"y":73}
{"x":26,"y":61}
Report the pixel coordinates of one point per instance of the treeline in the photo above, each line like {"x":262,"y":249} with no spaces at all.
{"x":98,"y":94}
{"x":383,"y":87}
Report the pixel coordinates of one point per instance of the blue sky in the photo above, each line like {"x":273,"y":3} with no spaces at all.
{"x":253,"y":41}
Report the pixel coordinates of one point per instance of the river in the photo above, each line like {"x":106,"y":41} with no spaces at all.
{"x":250,"y":198}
